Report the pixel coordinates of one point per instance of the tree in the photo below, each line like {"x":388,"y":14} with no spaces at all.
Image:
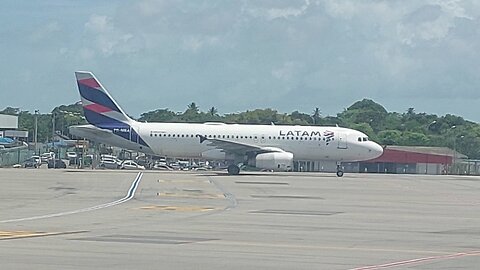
{"x":192,"y":108}
{"x":10,"y":111}
{"x":213,"y":111}
{"x":365,"y":111}
{"x":389,"y":137}
{"x":365,"y":128}
{"x":316,"y":116}
{"x":191,"y":114}
{"x":159,"y":115}
{"x":299,"y":118}
{"x":414,"y":139}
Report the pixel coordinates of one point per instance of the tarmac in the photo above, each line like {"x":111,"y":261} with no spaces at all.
{"x":94,"y":219}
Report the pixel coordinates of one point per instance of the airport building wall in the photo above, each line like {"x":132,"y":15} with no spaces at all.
{"x":8,"y":121}
{"x":400,"y":160}
{"x":414,"y":160}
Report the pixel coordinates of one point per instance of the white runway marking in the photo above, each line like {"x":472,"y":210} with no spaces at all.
{"x":129,"y":196}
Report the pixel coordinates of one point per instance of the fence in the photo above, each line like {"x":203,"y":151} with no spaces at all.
{"x":12,"y":156}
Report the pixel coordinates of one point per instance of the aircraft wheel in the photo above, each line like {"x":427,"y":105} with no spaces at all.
{"x":339,"y":173}
{"x":233,"y":170}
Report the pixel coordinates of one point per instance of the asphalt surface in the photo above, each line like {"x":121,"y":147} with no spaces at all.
{"x":86,"y":219}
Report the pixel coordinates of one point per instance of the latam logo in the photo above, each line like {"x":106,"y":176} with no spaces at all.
{"x":300,"y":133}
{"x":329,"y":136}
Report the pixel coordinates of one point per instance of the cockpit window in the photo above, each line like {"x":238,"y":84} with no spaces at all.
{"x":362,"y":139}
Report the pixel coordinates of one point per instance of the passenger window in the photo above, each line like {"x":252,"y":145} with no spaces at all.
{"x":359,"y":139}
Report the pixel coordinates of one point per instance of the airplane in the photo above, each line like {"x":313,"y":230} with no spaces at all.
{"x":270,"y":147}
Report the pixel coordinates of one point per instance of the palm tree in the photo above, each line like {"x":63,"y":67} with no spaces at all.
{"x":213,"y":111}
{"x":192,"y":107}
{"x":316,"y":115}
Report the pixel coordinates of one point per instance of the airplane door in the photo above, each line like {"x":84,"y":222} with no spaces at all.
{"x":342,"y":141}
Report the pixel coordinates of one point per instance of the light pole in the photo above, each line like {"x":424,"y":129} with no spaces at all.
{"x":454,"y":147}
{"x":53,"y":138}
{"x":431,"y":124}
{"x":35,"y":138}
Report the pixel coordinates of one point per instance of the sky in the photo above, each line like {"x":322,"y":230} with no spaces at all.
{"x":242,"y":55}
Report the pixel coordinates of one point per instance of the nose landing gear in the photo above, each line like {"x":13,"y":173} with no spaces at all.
{"x":339,"y":170}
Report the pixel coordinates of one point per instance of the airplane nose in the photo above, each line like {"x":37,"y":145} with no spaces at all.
{"x":375,"y":150}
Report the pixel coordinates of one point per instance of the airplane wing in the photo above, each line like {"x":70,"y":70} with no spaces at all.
{"x":86,"y":130}
{"x":238,"y":148}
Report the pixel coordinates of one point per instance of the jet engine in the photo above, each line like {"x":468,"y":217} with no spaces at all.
{"x":277,"y":161}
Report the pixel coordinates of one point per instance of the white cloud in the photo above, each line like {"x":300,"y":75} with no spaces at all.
{"x":195,"y":43}
{"x":271,"y":13}
{"x":287,"y":71}
{"x":430,"y":22}
{"x":99,"y":24}
{"x":45,"y":31}
{"x":108,"y":39}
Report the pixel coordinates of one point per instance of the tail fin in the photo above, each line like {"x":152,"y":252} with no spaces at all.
{"x":99,"y":108}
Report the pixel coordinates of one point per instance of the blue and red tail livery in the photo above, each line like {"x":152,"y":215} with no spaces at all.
{"x":101,"y":110}
{"x":99,"y":107}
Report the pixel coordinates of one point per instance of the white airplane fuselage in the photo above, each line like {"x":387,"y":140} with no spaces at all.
{"x":264,"y":146}
{"x":181,"y":140}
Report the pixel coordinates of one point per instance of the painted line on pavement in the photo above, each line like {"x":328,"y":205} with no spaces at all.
{"x":129,"y":196}
{"x":418,"y":260}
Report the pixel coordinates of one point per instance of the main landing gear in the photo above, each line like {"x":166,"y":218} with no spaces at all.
{"x":233,"y":169}
{"x":339,"y":170}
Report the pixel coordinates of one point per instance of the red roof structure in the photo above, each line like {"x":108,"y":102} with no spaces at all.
{"x":418,"y":154}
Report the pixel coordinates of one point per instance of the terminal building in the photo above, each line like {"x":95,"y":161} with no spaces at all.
{"x":7,"y":122}
{"x":402,"y":160}
{"x":9,"y":126}
{"x":13,"y":149}
{"x":414,"y":160}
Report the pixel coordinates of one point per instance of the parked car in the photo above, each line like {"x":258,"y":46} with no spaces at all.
{"x":108,"y":156}
{"x":56,"y":164}
{"x":71,"y":155}
{"x":109,"y":163}
{"x":131,"y":165}
{"x":161,"y":166}
{"x":31,"y":163}
{"x":45,"y":157}
{"x":37,"y":159}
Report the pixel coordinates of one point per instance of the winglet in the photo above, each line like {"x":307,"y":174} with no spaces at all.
{"x":202,"y":138}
